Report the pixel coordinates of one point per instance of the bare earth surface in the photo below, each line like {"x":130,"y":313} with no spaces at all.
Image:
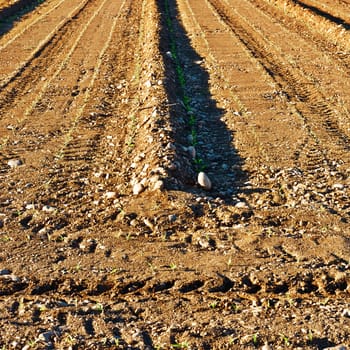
{"x":108,"y":112}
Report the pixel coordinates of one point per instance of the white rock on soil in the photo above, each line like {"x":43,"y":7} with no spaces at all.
{"x":110,"y":195}
{"x":241,"y":205}
{"x":48,"y":208}
{"x":339,"y":347}
{"x":204,"y":181}
{"x":346,"y":313}
{"x":158,"y":185}
{"x":192,"y":151}
{"x":13,"y":163}
{"x":338,"y":186}
{"x":138,"y":188}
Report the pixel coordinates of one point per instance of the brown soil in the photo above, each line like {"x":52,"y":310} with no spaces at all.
{"x":108,"y":241}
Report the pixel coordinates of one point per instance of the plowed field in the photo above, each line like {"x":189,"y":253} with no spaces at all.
{"x":110,"y":113}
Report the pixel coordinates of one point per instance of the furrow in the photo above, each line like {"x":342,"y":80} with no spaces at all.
{"x":16,"y":64}
{"x":69,"y":104}
{"x":299,"y":85}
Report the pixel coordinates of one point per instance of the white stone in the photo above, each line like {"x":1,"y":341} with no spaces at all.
{"x":158,"y":185}
{"x":241,"y":205}
{"x":48,"y":208}
{"x":138,"y":188}
{"x":110,"y":194}
{"x":339,"y":347}
{"x":204,"y":180}
{"x":192,"y":151}
{"x":338,"y":186}
{"x":13,"y":163}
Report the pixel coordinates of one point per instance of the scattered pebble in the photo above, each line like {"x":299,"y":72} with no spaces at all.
{"x":172,"y":218}
{"x":158,"y":185}
{"x":204,"y":181}
{"x":148,"y":223}
{"x":241,"y":205}
{"x":138,"y":188}
{"x":346,"y":313}
{"x":48,"y":208}
{"x":14,"y":163}
{"x":192,"y":151}
{"x":110,"y":195}
{"x":46,"y":336}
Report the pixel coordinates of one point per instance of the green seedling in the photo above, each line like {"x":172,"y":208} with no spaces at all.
{"x":99,"y":307}
{"x":235,"y":308}
{"x":255,"y":339}
{"x":183,"y":345}
{"x":214,"y":304}
{"x":285,"y":339}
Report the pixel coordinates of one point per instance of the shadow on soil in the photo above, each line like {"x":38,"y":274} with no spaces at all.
{"x":187,"y":86}
{"x":326,"y":15}
{"x":9,"y":15}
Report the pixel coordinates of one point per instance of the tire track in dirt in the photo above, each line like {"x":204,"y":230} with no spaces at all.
{"x":78,"y":64}
{"x":304,"y":84}
{"x":61,"y":69}
{"x":13,"y":41}
{"x":116,"y":299}
{"x":311,"y":104}
{"x":326,"y":35}
{"x":333,"y":11}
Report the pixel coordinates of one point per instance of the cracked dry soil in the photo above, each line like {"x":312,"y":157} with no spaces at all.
{"x":109,"y":109}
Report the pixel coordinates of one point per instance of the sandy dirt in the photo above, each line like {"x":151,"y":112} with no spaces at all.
{"x":110,"y":110}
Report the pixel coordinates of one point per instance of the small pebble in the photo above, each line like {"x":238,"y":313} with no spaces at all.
{"x":48,"y":208}
{"x":138,"y":188}
{"x":192,"y":151}
{"x":13,"y":163}
{"x":346,"y":313}
{"x":158,"y":185}
{"x":46,"y":336}
{"x":338,"y":347}
{"x":241,"y":205}
{"x":148,"y":223}
{"x":172,"y":218}
{"x":204,"y":181}
{"x":110,"y":195}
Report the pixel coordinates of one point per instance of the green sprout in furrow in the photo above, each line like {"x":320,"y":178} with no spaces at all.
{"x":186,"y":100}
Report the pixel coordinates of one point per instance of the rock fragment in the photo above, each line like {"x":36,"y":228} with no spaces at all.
{"x":138,"y":188}
{"x":48,"y":208}
{"x":158,"y":185}
{"x":192,"y":152}
{"x":110,"y":195}
{"x":14,"y":163}
{"x":204,"y":181}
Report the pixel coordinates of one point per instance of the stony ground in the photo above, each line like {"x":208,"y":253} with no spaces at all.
{"x":174,"y":174}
